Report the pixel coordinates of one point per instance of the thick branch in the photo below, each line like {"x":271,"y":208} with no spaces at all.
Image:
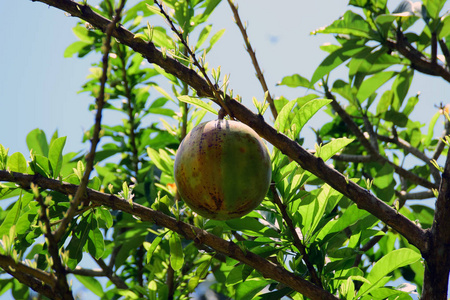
{"x":418,"y":61}
{"x":40,"y":281}
{"x":265,"y":267}
{"x":438,"y":257}
{"x":363,"y":198}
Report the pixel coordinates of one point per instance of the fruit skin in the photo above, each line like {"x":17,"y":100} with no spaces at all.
{"x":222,"y":169}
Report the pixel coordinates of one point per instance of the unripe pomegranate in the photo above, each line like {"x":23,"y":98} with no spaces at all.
{"x":222,"y":169}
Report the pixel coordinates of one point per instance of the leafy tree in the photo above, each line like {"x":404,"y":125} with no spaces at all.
{"x":323,"y":231}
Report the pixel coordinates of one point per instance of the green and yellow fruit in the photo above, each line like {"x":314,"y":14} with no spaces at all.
{"x":222,"y":169}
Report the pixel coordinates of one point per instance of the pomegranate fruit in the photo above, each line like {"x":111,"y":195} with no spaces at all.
{"x":222,"y":169}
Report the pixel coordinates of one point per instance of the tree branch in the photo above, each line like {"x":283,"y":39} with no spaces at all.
{"x":251,"y":52}
{"x":418,"y":61}
{"x":437,"y":270}
{"x":297,"y":242}
{"x":230,"y":249}
{"x":362,"y":197}
{"x":61,"y":287}
{"x":368,"y":146}
{"x":40,"y":281}
{"x":414,"y":151}
{"x":75,"y":203}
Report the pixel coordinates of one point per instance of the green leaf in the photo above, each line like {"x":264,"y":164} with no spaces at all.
{"x":95,"y":241}
{"x":431,"y":125}
{"x":295,"y":80}
{"x":283,"y":118}
{"x":176,"y":252}
{"x":250,"y":288}
{"x":75,"y":48}
{"x":91,"y":284}
{"x":197,"y":102}
{"x":410,"y":105}
{"x":17,"y":163}
{"x":388,"y":263}
{"x":161,"y":39}
{"x":55,"y":155}
{"x":444,"y":29}
{"x":161,"y":160}
{"x":105,"y":216}
{"x":352,"y":24}
{"x":37,"y":141}
{"x":214,"y":39}
{"x":335,"y":59}
{"x":151,"y":247}
{"x":251,"y":226}
{"x":307,"y":111}
{"x":11,"y":218}
{"x":434,"y":7}
{"x":77,"y":242}
{"x":333,"y":147}
{"x":385,"y":102}
{"x":203,"y":36}
{"x":351,"y":215}
{"x":370,"y":85}
{"x":401,"y":86}
{"x":3,"y":157}
{"x":312,"y":213}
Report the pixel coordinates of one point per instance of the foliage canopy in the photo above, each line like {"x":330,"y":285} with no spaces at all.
{"x":336,"y":222}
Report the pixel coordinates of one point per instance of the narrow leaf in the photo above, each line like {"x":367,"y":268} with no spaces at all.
{"x":333,"y":60}
{"x":176,"y":252}
{"x":370,"y":85}
{"x":55,"y":155}
{"x":307,"y":111}
{"x":388,"y":263}
{"x":197,"y":102}
{"x":333,"y":147}
{"x":91,"y":284}
{"x":281,"y":123}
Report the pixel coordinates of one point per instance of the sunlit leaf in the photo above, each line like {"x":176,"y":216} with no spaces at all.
{"x":176,"y":252}
{"x":197,"y":102}
{"x":17,"y":163}
{"x":333,"y":147}
{"x":55,"y":155}
{"x":91,"y":284}
{"x":295,"y":80}
{"x":335,"y":59}
{"x":388,"y":263}
{"x":37,"y":141}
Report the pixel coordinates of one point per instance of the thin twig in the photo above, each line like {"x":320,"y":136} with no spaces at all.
{"x":251,"y":52}
{"x":414,"y":151}
{"x":216,"y":93}
{"x":297,"y":241}
{"x":362,"y":197}
{"x":441,"y":144}
{"x":130,"y":110}
{"x":368,"y":146}
{"x":230,"y":249}
{"x":75,"y":203}
{"x":107,"y":270}
{"x":62,"y":287}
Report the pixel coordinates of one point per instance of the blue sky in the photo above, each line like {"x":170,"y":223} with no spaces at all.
{"x":38,"y":86}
